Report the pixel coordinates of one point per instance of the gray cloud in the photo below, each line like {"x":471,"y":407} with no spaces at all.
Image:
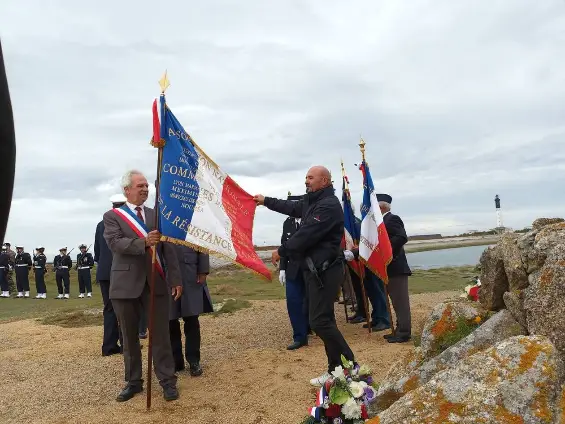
{"x":457,"y":102}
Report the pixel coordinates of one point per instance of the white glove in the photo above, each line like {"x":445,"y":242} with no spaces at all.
{"x":348,"y":255}
{"x":282,"y":277}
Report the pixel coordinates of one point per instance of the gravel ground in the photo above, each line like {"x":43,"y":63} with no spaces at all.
{"x":56,"y":375}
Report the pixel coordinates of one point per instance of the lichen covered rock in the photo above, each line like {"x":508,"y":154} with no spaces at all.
{"x":445,"y":323}
{"x":539,"y":223}
{"x":396,"y":384}
{"x":514,"y":302}
{"x":494,"y":282}
{"x":512,"y":382}
{"x":512,"y":259}
{"x":544,"y":301}
{"x":536,"y":245}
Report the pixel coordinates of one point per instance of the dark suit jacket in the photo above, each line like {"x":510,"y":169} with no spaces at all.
{"x":290,"y":266}
{"x":131,"y":262}
{"x":398,"y":238}
{"x":195,"y":299}
{"x":7,"y":150}
{"x":102,"y":254}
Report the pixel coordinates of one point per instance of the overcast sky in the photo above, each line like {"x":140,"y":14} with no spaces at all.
{"x":456,"y":100}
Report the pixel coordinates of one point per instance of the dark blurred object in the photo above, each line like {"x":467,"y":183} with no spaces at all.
{"x":7,"y":149}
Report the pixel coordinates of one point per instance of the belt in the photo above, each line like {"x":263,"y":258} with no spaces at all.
{"x":83,"y":267}
{"x":38,"y":267}
{"x":22,"y":265}
{"x":63,"y":267}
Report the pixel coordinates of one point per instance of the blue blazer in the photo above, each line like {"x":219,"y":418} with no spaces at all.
{"x":102,"y":254}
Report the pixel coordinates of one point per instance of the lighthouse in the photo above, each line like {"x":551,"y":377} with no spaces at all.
{"x":499,"y":224}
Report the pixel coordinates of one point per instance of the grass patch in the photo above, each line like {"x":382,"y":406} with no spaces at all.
{"x":461,"y":329}
{"x":74,"y":319}
{"x":231,"y":306}
{"x":440,"y":279}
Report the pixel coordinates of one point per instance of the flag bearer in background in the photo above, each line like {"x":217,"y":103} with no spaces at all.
{"x":290,"y":276}
{"x":23,"y":266}
{"x":4,"y":268}
{"x":39,"y":261}
{"x":85,"y":262}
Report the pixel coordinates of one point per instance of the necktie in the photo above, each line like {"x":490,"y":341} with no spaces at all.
{"x":138,"y":209}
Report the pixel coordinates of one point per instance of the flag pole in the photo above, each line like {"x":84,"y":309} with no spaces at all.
{"x":385,"y":283}
{"x":158,"y":144}
{"x":361,"y":279}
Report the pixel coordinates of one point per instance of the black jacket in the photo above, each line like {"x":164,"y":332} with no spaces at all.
{"x":85,"y":260}
{"x":321,"y":229}
{"x":102,"y":254}
{"x":24,"y":258}
{"x":397,"y":236}
{"x":290,"y":266}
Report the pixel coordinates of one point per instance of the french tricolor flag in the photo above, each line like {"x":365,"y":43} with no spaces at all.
{"x":375,"y":250}
{"x":199,"y":204}
{"x":350,"y":233}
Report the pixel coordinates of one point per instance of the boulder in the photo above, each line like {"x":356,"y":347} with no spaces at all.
{"x":536,"y":245}
{"x":542,"y":222}
{"x":493,"y":279}
{"x":515,"y":381}
{"x":560,"y":407}
{"x":512,"y":259}
{"x":544,"y":300}
{"x":409,"y":374}
{"x":445,"y":322}
{"x":514,"y":302}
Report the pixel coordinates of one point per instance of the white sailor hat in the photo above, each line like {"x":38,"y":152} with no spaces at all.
{"x":118,"y":198}
{"x":19,"y":246}
{"x":80,"y":246}
{"x":62,"y":248}
{"x":39,"y":248}
{"x":4,"y":247}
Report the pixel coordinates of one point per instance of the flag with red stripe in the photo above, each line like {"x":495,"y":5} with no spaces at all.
{"x":350,"y":232}
{"x":375,"y":250}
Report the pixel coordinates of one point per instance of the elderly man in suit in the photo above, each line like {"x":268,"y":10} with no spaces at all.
{"x":131,"y":235}
{"x":195,"y":300}
{"x":398,"y":272}
{"x":103,"y":258}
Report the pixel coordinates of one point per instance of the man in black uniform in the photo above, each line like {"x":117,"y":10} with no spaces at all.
{"x":317,"y":246}
{"x":12,"y":256}
{"x":84,"y":264}
{"x":39,"y":261}
{"x":4,"y":268}
{"x":103,"y":257}
{"x":63,"y":263}
{"x":23,"y":266}
{"x":290,"y":276}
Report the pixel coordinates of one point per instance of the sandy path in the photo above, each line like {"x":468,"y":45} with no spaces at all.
{"x":56,"y":375}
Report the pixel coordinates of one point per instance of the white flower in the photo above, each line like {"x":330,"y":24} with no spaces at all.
{"x":338,"y":373}
{"x":356,"y":388}
{"x":351,"y":410}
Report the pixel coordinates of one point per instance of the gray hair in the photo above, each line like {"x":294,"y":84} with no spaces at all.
{"x":126,"y":179}
{"x":384,"y":205}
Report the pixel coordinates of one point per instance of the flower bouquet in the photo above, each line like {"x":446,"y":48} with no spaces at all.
{"x":472,"y":290}
{"x":345,"y":396}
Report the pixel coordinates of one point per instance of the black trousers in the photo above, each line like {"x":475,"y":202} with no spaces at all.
{"x":4,"y":286}
{"x":322,"y":314}
{"x":22,"y":278}
{"x":192,"y":340}
{"x":40,"y":280}
{"x":84,"y":281}
{"x":62,"y":275}
{"x":112,"y":332}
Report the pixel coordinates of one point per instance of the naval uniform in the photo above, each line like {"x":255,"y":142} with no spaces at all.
{"x":85,"y":262}
{"x":39,"y":268}
{"x":62,"y":264}
{"x":4,"y":268}
{"x":23,"y":265}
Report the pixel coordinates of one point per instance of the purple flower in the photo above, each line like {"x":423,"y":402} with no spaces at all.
{"x":369,"y":380}
{"x":370,"y":393}
{"x":337,"y":420}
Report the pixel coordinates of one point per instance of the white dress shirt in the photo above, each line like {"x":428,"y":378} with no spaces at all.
{"x":132,"y":207}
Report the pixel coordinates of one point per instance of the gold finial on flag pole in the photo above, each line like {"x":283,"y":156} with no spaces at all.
{"x":164,"y":82}
{"x":362,"y":147}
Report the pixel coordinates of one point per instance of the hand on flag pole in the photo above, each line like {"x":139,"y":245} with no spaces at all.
{"x":152,"y":238}
{"x":275,"y":258}
{"x":259,"y":199}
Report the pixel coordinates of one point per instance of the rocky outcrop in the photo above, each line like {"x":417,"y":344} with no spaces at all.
{"x":544,"y":301}
{"x":446,"y":319}
{"x":512,"y":259}
{"x":539,"y":223}
{"x":493,"y":279}
{"x":515,"y":381}
{"x":514,"y":302}
{"x":411,"y":372}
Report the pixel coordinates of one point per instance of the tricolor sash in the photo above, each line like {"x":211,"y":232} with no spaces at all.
{"x":141,"y":230}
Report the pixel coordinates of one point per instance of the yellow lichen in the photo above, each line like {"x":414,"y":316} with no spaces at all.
{"x":412,"y":384}
{"x":504,"y":416}
{"x":374,"y":420}
{"x":540,"y":404}
{"x":445,"y":323}
{"x":546,"y":277}
{"x":533,"y":349}
{"x":446,"y":408}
